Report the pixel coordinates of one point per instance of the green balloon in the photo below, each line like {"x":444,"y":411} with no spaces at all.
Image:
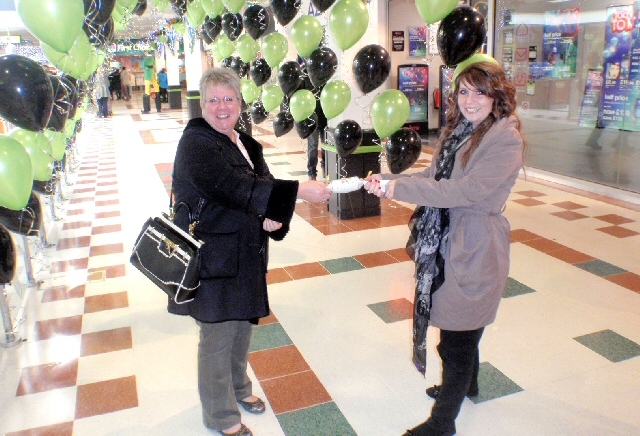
{"x":195,"y":14}
{"x":234,"y":5}
{"x":127,"y":4}
{"x":348,"y":22}
{"x":215,"y":51}
{"x":35,"y":143}
{"x":75,"y":62}
{"x":247,"y":47}
{"x":213,"y":8}
{"x":306,"y":34}
{"x":389,"y":111}
{"x":179,"y":27}
{"x":275,"y":48}
{"x":70,"y":128}
{"x":473,"y":59}
{"x":272,"y":97}
{"x":16,"y":174}
{"x":57,"y":23}
{"x":58,"y":143}
{"x":433,"y":11}
{"x":250,"y":92}
{"x":335,"y":98}
{"x":225,"y":46}
{"x":302,"y":104}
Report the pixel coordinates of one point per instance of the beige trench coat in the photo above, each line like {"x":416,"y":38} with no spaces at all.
{"x":477,"y":251}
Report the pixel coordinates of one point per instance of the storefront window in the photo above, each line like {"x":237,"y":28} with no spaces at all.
{"x":576,"y":68}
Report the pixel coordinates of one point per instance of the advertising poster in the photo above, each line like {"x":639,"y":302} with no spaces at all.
{"x":591,"y":99}
{"x":560,"y":42}
{"x":417,"y":41}
{"x":632,"y":111}
{"x":617,"y":64}
{"x":397,"y":40}
{"x":413,"y":81}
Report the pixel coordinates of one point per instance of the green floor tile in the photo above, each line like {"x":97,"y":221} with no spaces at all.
{"x":280,"y":163}
{"x":298,"y":173}
{"x":515,"y":288}
{"x":394,"y":310}
{"x":600,"y":268}
{"x":344,"y":264}
{"x":321,"y":420}
{"x":265,"y":337}
{"x":610,"y":345}
{"x":493,"y":384}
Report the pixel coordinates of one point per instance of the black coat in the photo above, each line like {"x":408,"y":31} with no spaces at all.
{"x":237,"y":198}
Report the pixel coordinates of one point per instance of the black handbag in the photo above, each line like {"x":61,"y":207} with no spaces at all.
{"x":169,"y":256}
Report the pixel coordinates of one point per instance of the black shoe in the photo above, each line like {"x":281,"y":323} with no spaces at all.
{"x":435,"y":390}
{"x":424,"y":430}
{"x":256,"y":407}
{"x":244,"y":431}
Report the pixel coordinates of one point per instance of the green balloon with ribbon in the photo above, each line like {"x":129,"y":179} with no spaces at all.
{"x":274,"y":48}
{"x":272,"y":96}
{"x":16,"y":174}
{"x":389,"y":111}
{"x":306,"y":34}
{"x":37,"y":145}
{"x":247,"y":47}
{"x":250,"y":92}
{"x":348,"y":22}
{"x":334,"y":98}
{"x":302,"y":104}
{"x":56,"y":23}
{"x":433,"y":11}
{"x":57,"y":142}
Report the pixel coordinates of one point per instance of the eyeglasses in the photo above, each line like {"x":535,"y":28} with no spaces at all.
{"x":217,"y":100}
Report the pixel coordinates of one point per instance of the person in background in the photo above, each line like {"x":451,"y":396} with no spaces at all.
{"x":240,"y":206}
{"x":125,"y":81}
{"x":102,"y":94}
{"x":459,"y":237}
{"x":313,"y":143}
{"x":163,"y":83}
{"x":115,"y":84}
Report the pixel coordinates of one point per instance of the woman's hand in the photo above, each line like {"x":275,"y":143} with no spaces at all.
{"x":372,"y":185}
{"x":270,"y":225}
{"x":314,"y":191}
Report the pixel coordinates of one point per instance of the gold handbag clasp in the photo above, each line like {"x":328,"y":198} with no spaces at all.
{"x":169,"y":247}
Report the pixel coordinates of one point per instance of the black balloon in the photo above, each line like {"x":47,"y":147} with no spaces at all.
{"x":60,"y":110}
{"x":322,"y":5}
{"x":8,"y":255}
{"x":403,"y":150}
{"x":226,"y":62}
{"x":232,"y":25}
{"x":306,"y":127}
{"x":26,"y":95}
{"x":289,"y":77}
{"x":285,"y":10}
{"x":140,"y":8}
{"x":205,"y":36}
{"x":282,"y":124}
{"x":321,"y":65}
{"x":27,"y":221}
{"x":256,"y":21}
{"x":99,"y":35}
{"x":258,"y":112}
{"x":260,"y":71}
{"x":72,"y":91}
{"x":98,"y":11}
{"x":212,"y":26}
{"x":371,"y":67}
{"x":179,"y":7}
{"x":239,"y":66}
{"x":347,"y":137}
{"x":461,"y":34}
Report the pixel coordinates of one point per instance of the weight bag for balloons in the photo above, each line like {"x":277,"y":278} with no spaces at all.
{"x":146,"y":103}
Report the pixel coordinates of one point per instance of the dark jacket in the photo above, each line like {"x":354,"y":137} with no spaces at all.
{"x":237,"y":198}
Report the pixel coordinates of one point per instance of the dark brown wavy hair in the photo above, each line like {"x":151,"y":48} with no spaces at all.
{"x":491,"y":80}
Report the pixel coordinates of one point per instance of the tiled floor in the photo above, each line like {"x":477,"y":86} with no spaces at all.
{"x":100,"y":355}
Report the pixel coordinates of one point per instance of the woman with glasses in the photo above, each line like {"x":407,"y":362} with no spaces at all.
{"x":222,"y":175}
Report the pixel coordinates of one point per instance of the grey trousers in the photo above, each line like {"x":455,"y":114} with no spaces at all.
{"x":222,"y":371}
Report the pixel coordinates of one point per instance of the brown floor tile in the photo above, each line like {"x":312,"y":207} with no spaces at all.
{"x":306,"y":270}
{"x":389,"y":220}
{"x":333,"y":229}
{"x":147,"y":137}
{"x":107,"y":176}
{"x":58,"y":293}
{"x":86,"y":174}
{"x":569,"y":215}
{"x":278,"y":275}
{"x":81,"y":190}
{"x":164,"y":167}
{"x":326,"y":220}
{"x":627,"y":280}
{"x":614,"y":219}
{"x":109,"y":272}
{"x":294,"y":392}
{"x":113,"y":300}
{"x":166,"y":179}
{"x":76,"y":225}
{"x":520,"y":235}
{"x":361,"y":224}
{"x":71,"y":212}
{"x":569,"y":205}
{"x":618,"y":232}
{"x":100,"y":250}
{"x":107,"y":192}
{"x":544,"y":245}
{"x":108,"y":183}
{"x":81,"y":241}
{"x":110,"y":214}
{"x":269,"y":319}
{"x":78,"y":200}
{"x":107,"y":203}
{"x":371,"y":260}
{"x":277,"y":362}
{"x":62,"y":429}
{"x":41,"y":378}
{"x":530,"y":193}
{"x":106,"y":397}
{"x":399,"y":253}
{"x":570,"y":255}
{"x":86,"y":168}
{"x":106,"y":341}
{"x":106,"y":229}
{"x":49,"y":328}
{"x":136,"y":117}
{"x":69,"y":265}
{"x":85,"y":182}
{"x":529,"y":202}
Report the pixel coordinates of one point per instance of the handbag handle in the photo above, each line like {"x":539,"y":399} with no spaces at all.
{"x":193,"y":219}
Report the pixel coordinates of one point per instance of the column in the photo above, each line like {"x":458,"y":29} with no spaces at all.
{"x":173,"y":76}
{"x":195,"y":63}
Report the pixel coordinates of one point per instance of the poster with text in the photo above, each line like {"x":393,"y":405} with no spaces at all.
{"x":413,"y":81}
{"x":591,"y":99}
{"x":560,"y":42}
{"x":632,"y":107}
{"x":417,"y":41}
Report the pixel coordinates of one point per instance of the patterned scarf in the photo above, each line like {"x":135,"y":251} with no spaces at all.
{"x":429,"y":232}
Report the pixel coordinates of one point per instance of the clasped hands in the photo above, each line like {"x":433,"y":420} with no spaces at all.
{"x":312,"y":191}
{"x":372,"y":185}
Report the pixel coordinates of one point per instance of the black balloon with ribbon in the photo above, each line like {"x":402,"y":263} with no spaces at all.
{"x":260,"y":71}
{"x":99,"y":35}
{"x":26,"y":221}
{"x":347,"y":136}
{"x":8,"y":256}
{"x":306,"y":127}
{"x":140,"y":8}
{"x":322,"y":5}
{"x":205,"y":36}
{"x":285,"y":10}
{"x":460,"y":35}
{"x":226,"y":62}
{"x":403,"y":149}
{"x":232,"y":25}
{"x":98,"y":11}
{"x":71,"y":84}
{"x":179,"y":6}
{"x":60,"y":109}
{"x":239,"y":66}
{"x":282,"y":123}
{"x":258,"y":112}
{"x":26,"y":95}
{"x":256,"y":21}
{"x":371,"y":67}
{"x":212,"y":26}
{"x":290,"y":77}
{"x":321,"y":66}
